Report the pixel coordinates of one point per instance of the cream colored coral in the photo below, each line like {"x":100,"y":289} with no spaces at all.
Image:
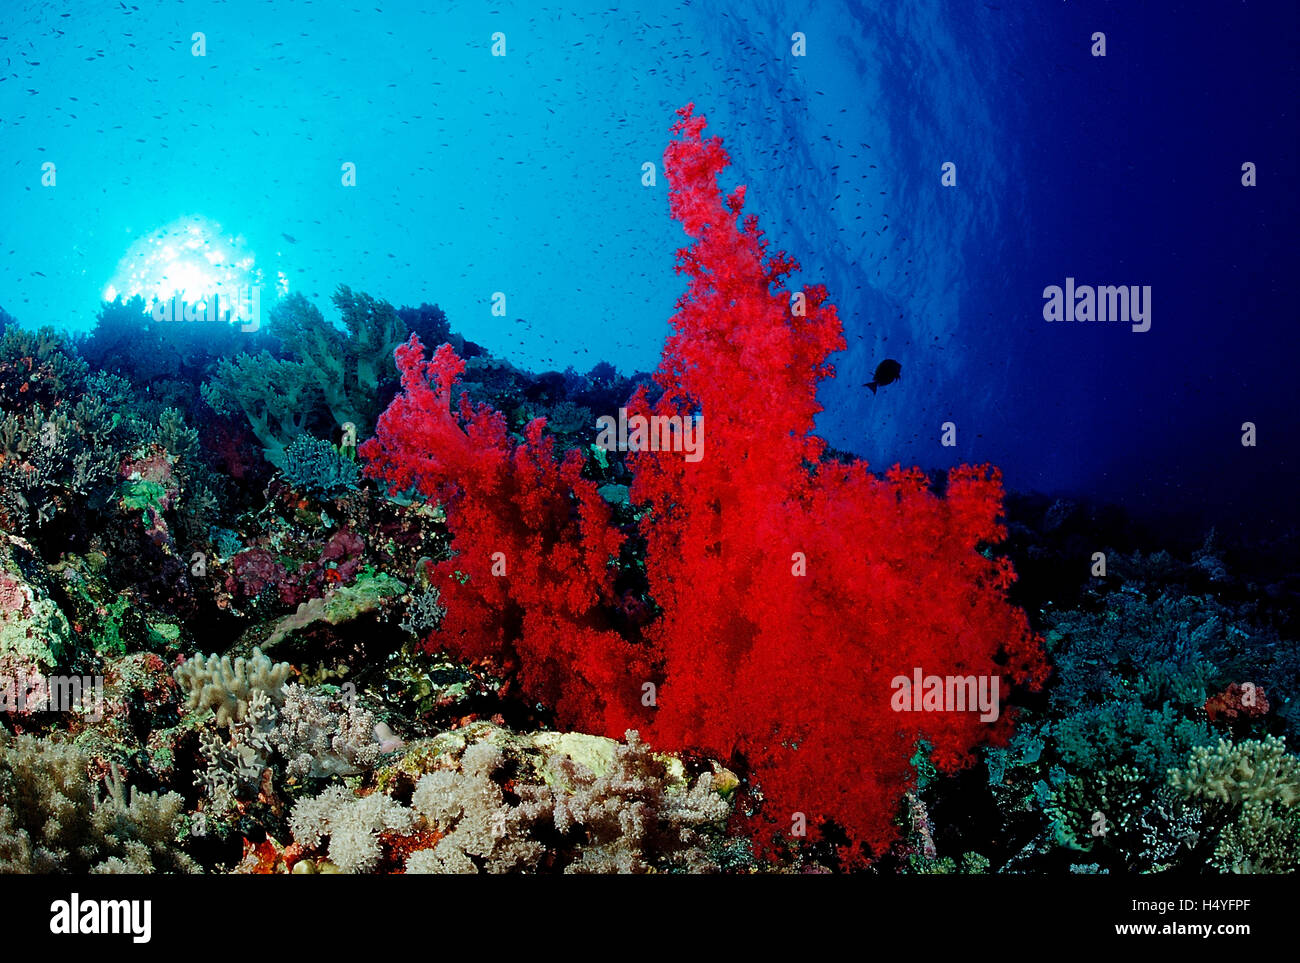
{"x":226,"y":687}
{"x":1250,"y":771}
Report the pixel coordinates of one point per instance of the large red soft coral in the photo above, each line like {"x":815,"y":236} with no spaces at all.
{"x":794,"y":590}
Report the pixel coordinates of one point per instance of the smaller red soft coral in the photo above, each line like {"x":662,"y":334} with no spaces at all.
{"x":531,"y":582}
{"x":1241,"y":700}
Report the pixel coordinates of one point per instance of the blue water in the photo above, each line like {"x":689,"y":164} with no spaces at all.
{"x":522,"y":174}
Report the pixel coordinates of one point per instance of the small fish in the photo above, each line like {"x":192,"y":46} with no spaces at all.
{"x":288,"y":238}
{"x":887,"y":372}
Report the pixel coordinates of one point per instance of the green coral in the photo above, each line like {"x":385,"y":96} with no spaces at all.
{"x":277,"y":397}
{"x":52,"y":460}
{"x":1102,"y":807}
{"x":142,"y":494}
{"x":37,"y":368}
{"x":972,"y":864}
{"x":111,"y":620}
{"x":1250,"y":790}
{"x":316,"y":466}
{"x":328,"y":379}
{"x":1234,"y":774}
{"x":1115,"y":733}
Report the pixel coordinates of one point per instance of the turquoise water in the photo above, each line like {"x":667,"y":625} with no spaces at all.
{"x":523,"y":174}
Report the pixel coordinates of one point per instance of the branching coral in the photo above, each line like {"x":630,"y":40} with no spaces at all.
{"x":1252,"y":793}
{"x":235,"y":760}
{"x":425,"y":613}
{"x":328,"y":378}
{"x":629,"y":811}
{"x":228,"y":687}
{"x":1232,"y":774}
{"x":37,"y":368}
{"x":477,"y":825}
{"x":54,"y":460}
{"x":317,"y":467}
{"x":276,"y":396}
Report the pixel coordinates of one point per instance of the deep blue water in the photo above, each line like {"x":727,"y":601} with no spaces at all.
{"x":522,"y":174}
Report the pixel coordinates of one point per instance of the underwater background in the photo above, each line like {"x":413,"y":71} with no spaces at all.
{"x":479,"y":174}
{"x":493,"y":176}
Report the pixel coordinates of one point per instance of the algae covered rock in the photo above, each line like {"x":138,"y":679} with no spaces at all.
{"x":344,"y":604}
{"x":35,"y":636}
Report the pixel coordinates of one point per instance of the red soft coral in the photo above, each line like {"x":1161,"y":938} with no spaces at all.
{"x":794,"y":671}
{"x":532,"y":579}
{"x":793,"y":590}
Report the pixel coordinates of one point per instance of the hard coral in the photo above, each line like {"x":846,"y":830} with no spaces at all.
{"x":316,"y":466}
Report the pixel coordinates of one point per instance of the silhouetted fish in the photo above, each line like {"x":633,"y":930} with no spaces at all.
{"x":887,"y":372}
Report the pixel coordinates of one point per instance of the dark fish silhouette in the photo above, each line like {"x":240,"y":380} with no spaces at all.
{"x":887,"y":372}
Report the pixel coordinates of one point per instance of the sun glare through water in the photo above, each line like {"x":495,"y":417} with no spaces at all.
{"x":192,"y":258}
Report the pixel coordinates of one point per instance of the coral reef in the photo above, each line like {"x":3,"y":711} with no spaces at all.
{"x":474,"y":641}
